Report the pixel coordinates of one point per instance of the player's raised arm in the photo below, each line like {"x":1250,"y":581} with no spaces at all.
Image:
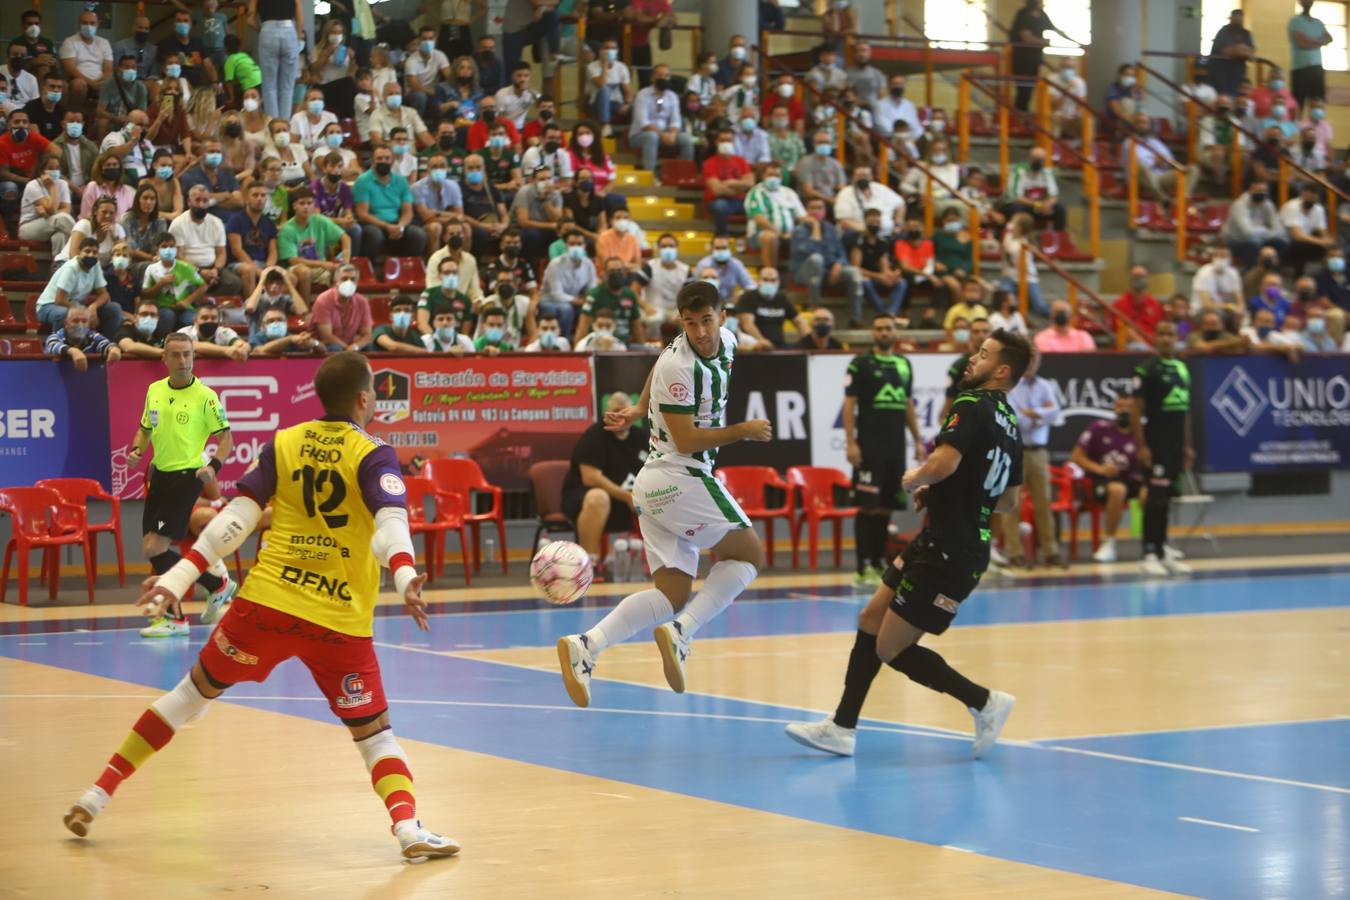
{"x":385,"y":495}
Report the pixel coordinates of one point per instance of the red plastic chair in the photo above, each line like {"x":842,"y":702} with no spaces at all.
{"x":447,"y":515}
{"x":379,"y":309}
{"x":9,"y":324}
{"x":815,"y":486}
{"x":1062,"y":500}
{"x":43,"y":521}
{"x":78,"y":492}
{"x":366,"y":282}
{"x":748,"y":485}
{"x":1059,"y":245}
{"x":463,"y":478}
{"x":681,"y":173}
{"x":405,"y":273}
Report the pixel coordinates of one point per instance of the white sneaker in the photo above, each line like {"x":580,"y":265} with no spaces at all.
{"x":85,"y":810}
{"x":1151,"y":566}
{"x":165,"y":627}
{"x":577,"y":663}
{"x":674,"y":647}
{"x":1106,"y":553}
{"x":419,"y":843}
{"x":989,"y":721}
{"x":996,"y":557}
{"x":1176,"y":566}
{"x":1172,"y":553}
{"x":218,"y":602}
{"x":823,"y":735}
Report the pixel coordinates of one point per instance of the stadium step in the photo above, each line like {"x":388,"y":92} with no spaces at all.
{"x":630,"y":177}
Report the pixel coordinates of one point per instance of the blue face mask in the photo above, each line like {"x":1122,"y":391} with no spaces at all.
{"x":54,"y":96}
{"x":393,"y":101}
{"x":399,"y":149}
{"x":1336,"y":264}
{"x":128,"y":74}
{"x":493,"y":335}
{"x":75,"y":129}
{"x":274,"y":330}
{"x":168,"y":254}
{"x":497,"y":142}
{"x":824,"y":150}
{"x":768,"y":288}
{"x":428,"y":46}
{"x":670,"y":254}
{"x":474,"y":177}
{"x":439,"y":175}
{"x":772,"y":183}
{"x":722,"y":255}
{"x":578,"y":252}
{"x":446,"y":335}
{"x":89,"y":31}
{"x":401,"y":320}
{"x":1317,"y":326}
{"x":548,"y":339}
{"x":1263,"y":331}
{"x":182,"y":28}
{"x":315,"y":107}
{"x":147,"y":324}
{"x":961,"y":335}
{"x":333,"y":140}
{"x":449,"y":282}
{"x":164,"y":172}
{"x":213,"y":159}
{"x":173,"y":70}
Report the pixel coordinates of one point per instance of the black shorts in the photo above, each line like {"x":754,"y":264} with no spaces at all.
{"x":620,"y":516}
{"x":876,"y":483}
{"x":1308,"y":83}
{"x":168,"y":502}
{"x":932,"y":586}
{"x":1098,"y":487}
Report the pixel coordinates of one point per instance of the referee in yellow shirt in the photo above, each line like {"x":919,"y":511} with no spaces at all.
{"x":180,"y":415}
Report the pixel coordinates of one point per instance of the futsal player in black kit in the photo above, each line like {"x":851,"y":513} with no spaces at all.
{"x":973,"y":473}
{"x":877,"y":414}
{"x":1162,"y":400}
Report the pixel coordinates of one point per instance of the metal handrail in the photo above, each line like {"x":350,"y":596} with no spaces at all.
{"x":1123,"y":325}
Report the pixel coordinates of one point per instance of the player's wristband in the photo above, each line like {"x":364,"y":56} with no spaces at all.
{"x":215,"y":464}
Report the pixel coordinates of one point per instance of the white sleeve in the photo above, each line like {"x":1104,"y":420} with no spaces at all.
{"x":672,"y":389}
{"x":392,"y":539}
{"x":222,"y":536}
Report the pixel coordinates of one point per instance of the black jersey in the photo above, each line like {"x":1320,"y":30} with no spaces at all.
{"x":1165,"y":386}
{"x":955,"y":373}
{"x":882,"y":384}
{"x":983,"y":427}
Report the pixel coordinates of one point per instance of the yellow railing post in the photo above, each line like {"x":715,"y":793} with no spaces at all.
{"x":928,"y":73}
{"x":1190,"y":68}
{"x":1182,"y":214}
{"x":1092,"y":185}
{"x":840,"y":135}
{"x":581,"y":70}
{"x":1132,"y":185}
{"x":1122,"y":337}
{"x":764,"y":76}
{"x":884,"y":164}
{"x":1191,"y":137}
{"x":1022,"y":277}
{"x":963,"y":119}
{"x":849,"y":44}
{"x":627,"y":43}
{"x":1283,"y":188}
{"x":1043,"y":116}
{"x":1235,"y":161}
{"x":1003,"y":146}
{"x":975,"y":238}
{"x":1332,"y":203}
{"x":695,"y":47}
{"x":928,"y":203}
{"x":1073,"y":303}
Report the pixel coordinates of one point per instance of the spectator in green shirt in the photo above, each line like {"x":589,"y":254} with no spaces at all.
{"x":617,"y":297}
{"x":399,"y":336}
{"x":241,"y":70}
{"x":384,"y":207}
{"x":445,"y":298}
{"x":493,"y":340}
{"x":311,"y":244}
{"x":173,"y":285}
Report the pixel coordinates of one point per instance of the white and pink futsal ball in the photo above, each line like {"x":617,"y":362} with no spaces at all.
{"x":561,"y":572}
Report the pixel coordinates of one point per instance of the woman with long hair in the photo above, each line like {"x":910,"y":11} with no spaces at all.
{"x":105,"y":180}
{"x":239,"y":153}
{"x":295,"y":168}
{"x":1016,"y":244}
{"x":144,"y":223}
{"x":332,"y":63}
{"x":100,"y":227}
{"x":588,"y":152}
{"x":254,"y":119}
{"x":122,"y":275}
{"x":163,"y":178}
{"x":203,"y":115}
{"x":464,"y":90}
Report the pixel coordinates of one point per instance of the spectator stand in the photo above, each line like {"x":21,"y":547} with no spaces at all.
{"x":1101,"y":318}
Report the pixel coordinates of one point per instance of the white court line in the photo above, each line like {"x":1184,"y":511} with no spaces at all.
{"x":1112,"y":734}
{"x":1217,"y":824}
{"x":1222,"y":773}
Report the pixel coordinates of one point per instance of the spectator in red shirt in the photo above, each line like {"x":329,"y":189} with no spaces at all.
{"x":20,"y":150}
{"x":341,"y":317}
{"x":487,"y":119}
{"x":785,"y":94}
{"x":1138,"y":305}
{"x":534,"y":128}
{"x":726,"y":179}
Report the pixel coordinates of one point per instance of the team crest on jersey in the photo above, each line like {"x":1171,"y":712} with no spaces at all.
{"x":393,"y":396}
{"x":679,"y":392}
{"x":354,"y":692}
{"x":392,"y":484}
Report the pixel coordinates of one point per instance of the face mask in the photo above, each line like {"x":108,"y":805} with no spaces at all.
{"x":393,"y":101}
{"x":604,"y":333}
{"x":748,"y":82}
{"x":712,"y":69}
{"x":1211,"y":334}
{"x":121,"y":262}
{"x":493,"y":335}
{"x":897,"y":92}
{"x":1318,"y":114}
{"x":1060,"y":318}
{"x":207,"y":330}
{"x":738,"y":53}
{"x":768,"y":288}
{"x":780,"y":123}
{"x":1123,"y":420}
{"x":346,"y":288}
{"x":450,"y":282}
{"x":182,"y":28}
{"x":747,"y":125}
{"x":173,"y":70}
{"x":282,"y":139}
{"x":961,"y":335}
{"x":661,"y":84}
{"x":19,"y":134}
{"x":1336,"y":264}
{"x":497,"y":142}
{"x":455,"y":242}
{"x":621,"y":226}
{"x":233,"y":130}
{"x":585,"y":186}
{"x":147,"y":324}
{"x":548,"y":339}
{"x":315,"y":107}
{"x":577,"y":252}
{"x":511,"y":251}
{"x":383,"y":169}
{"x":168,"y":254}
{"x":1263,"y":331}
{"x":128,"y":75}
{"x":1258,"y":198}
{"x":164,"y":172}
{"x":112,"y":173}
{"x":824,"y":150}
{"x":446,"y":141}
{"x":75,"y":129}
{"x":198,"y":213}
{"x":334,"y":141}
{"x":939,"y":159}
{"x":772,"y":183}
{"x":1277,"y":84}
{"x":616,"y":281}
{"x":76,"y":334}
{"x":54,"y":97}
{"x":1138,"y":284}
{"x":1307,"y":294}
{"x":474,"y":176}
{"x":274,"y":330}
{"x":399,"y":149}
{"x":250,"y":104}
{"x":585,"y":140}
{"x":446,"y":334}
{"x":611,"y":54}
{"x":88,"y":30}
{"x":726,"y":148}
{"x":1278,"y":111}
{"x":33,"y":32}
{"x":713,"y":281}
{"x":439,"y":175}
{"x":401,"y":320}
{"x":1317,"y":326}
{"x":506,"y":290}
{"x":427,"y":47}
{"x":952,"y":227}
{"x":670,"y":254}
{"x":88,"y":262}
{"x":1127,"y":81}
{"x":722,"y":255}
{"x":821,"y":329}
{"x":213,"y":159}
{"x":863,"y":184}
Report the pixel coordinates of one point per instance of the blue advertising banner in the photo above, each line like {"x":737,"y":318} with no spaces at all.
{"x":1262,"y":414}
{"x":53,"y":422}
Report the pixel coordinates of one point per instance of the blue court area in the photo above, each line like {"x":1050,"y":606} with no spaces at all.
{"x":1255,"y":811}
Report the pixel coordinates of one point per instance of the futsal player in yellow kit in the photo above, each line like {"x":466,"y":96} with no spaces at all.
{"x":338,"y":512}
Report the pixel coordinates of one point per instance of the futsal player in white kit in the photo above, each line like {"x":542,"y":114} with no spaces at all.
{"x":682,"y":509}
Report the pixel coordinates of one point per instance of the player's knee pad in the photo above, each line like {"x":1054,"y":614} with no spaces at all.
{"x":380,"y":745}
{"x":891,"y":577}
{"x":181,"y":706}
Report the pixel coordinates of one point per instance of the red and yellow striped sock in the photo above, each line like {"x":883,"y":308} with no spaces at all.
{"x":149,"y":735}
{"x":393,"y":782}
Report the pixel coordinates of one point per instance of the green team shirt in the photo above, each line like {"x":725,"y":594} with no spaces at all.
{"x":314,"y":241}
{"x":241,"y":67}
{"x":179,"y":421}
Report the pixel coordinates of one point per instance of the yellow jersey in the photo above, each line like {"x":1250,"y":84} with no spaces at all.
{"x":326,"y":479}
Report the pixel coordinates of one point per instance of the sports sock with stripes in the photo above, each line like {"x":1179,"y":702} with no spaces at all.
{"x":389,"y":774}
{"x":152,"y":731}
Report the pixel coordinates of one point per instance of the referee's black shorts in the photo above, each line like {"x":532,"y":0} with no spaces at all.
{"x":168,"y":502}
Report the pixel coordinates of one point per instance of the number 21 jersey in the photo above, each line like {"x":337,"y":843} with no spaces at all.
{"x":326,"y":479}
{"x":983,"y":427}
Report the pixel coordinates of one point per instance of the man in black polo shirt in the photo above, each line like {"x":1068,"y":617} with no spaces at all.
{"x":763,"y":311}
{"x":597,"y":493}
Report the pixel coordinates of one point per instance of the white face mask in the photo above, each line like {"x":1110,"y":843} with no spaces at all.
{"x":250,"y":104}
{"x":346,"y":288}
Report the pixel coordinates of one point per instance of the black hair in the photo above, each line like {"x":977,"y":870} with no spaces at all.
{"x":697,"y":296}
{"x":1015,"y":352}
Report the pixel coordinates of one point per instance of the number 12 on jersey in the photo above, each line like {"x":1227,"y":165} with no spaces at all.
{"x":314,"y":483}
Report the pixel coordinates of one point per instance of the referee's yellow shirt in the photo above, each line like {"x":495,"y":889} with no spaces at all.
{"x":179,"y":421}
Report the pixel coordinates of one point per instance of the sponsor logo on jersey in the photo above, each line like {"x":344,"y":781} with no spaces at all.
{"x":354,"y":692}
{"x":233,"y":652}
{"x":679,"y":392}
{"x":942,"y":601}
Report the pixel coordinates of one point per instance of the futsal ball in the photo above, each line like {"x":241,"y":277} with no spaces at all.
{"x":561,"y":572}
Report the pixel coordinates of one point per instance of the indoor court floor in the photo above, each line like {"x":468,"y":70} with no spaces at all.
{"x":1188,"y":737}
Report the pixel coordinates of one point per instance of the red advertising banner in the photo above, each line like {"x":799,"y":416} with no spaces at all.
{"x":506,"y":412}
{"x":259,"y":396}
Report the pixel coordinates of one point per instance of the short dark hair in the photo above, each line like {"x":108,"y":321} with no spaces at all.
{"x":492,"y":311}
{"x":697,"y":296}
{"x":232,"y":44}
{"x":166,"y":240}
{"x":521,"y":66}
{"x":176,"y":336}
{"x":340,"y":380}
{"x":1016,"y":352}
{"x":546,"y":317}
{"x":401,"y":300}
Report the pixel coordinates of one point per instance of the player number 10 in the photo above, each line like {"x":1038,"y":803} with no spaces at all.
{"x":1000,"y":467}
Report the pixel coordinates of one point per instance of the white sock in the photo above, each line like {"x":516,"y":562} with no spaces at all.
{"x":218,"y":569}
{"x":723,"y":585}
{"x":645,"y":609}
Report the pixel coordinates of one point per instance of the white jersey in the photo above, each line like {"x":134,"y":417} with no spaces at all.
{"x":685,"y":382}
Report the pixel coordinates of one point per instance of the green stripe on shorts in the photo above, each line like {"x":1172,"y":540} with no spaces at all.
{"x":720,"y":498}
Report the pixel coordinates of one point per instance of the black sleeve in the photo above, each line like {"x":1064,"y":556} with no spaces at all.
{"x":746,"y":304}
{"x":962,"y":425}
{"x":589,"y":450}
{"x":1015,"y":473}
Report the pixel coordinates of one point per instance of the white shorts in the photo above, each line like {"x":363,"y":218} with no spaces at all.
{"x":681,"y":513}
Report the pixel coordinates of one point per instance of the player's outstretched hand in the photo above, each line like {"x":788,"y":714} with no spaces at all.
{"x":758,"y":430}
{"x":154,"y":599}
{"x":624,"y":418}
{"x":417,"y":607}
{"x":910,"y":479}
{"x":920,"y":498}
